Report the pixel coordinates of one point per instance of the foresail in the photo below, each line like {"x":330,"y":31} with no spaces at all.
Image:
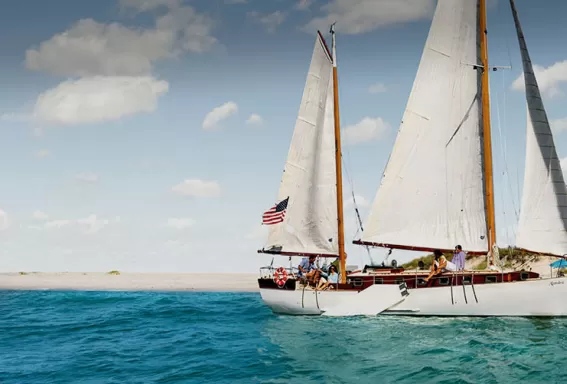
{"x":309,"y":179}
{"x":432,"y":194}
{"x":543,"y":214}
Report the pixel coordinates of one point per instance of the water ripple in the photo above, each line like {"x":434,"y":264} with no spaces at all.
{"x":149,"y":337}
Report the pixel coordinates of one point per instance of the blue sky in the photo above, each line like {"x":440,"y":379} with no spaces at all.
{"x":107,"y":162}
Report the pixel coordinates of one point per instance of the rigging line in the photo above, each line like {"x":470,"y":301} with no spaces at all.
{"x":359,"y":224}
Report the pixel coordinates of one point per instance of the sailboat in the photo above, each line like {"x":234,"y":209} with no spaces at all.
{"x":436,"y":191}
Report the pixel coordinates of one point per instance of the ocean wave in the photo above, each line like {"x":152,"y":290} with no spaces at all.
{"x":190,"y":337}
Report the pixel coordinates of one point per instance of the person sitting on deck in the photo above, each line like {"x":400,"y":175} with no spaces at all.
{"x":327,"y":279}
{"x":448,"y":266}
{"x":437,"y":265}
{"x":307,"y":267}
{"x":459,"y":258}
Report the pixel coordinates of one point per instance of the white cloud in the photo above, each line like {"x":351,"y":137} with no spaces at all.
{"x":42,"y":153}
{"x":559,"y":125}
{"x":15,"y":117}
{"x":377,"y":88}
{"x":360,"y":16}
{"x":367,"y":129}
{"x":90,"y":48}
{"x":87,"y":177}
{"x":218,"y":114}
{"x":563,"y":163}
{"x":148,"y":5}
{"x":180,"y":223}
{"x":548,"y":79}
{"x":4,"y":221}
{"x":57,"y":224}
{"x":271,"y":20}
{"x":88,"y":225}
{"x":197,"y":188}
{"x":40,"y":216}
{"x":361,"y":202}
{"x":258,"y":233}
{"x":254,"y":119}
{"x":109,"y":66}
{"x":92,"y":223}
{"x":97,"y":99}
{"x":303,"y":4}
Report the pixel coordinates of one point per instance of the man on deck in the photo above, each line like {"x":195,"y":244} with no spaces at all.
{"x":459,"y":258}
{"x":307,"y":267}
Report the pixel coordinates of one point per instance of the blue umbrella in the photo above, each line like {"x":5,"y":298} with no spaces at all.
{"x":561,"y":263}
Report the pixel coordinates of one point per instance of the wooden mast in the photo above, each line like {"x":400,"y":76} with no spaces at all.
{"x":488,"y":173}
{"x":338,"y":162}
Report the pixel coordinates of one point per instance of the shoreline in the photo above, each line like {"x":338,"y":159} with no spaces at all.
{"x":101,"y":281}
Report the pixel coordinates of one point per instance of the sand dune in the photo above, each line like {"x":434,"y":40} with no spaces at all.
{"x":91,"y":281}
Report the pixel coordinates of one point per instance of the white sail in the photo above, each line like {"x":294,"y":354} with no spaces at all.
{"x":432,"y":194}
{"x":543,"y":214}
{"x":309,"y":179}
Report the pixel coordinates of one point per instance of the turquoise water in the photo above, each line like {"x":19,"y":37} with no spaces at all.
{"x":118,"y":337}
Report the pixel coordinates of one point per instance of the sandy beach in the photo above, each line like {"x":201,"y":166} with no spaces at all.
{"x":92,"y":281}
{"x":204,"y":282}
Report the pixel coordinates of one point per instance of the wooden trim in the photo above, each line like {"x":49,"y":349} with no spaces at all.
{"x":306,"y":254}
{"x":413,"y":248}
{"x":486,"y":133}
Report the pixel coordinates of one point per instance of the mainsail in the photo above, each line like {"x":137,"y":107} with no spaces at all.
{"x":542,"y":226}
{"x":432,"y":191}
{"x":309,"y":179}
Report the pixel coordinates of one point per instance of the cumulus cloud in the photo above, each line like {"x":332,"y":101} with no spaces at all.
{"x":148,"y":5}
{"x":42,"y":153}
{"x":40,"y":216}
{"x":303,"y":4}
{"x":563,"y":163}
{"x":361,"y":202}
{"x":15,"y":117}
{"x":57,"y":224}
{"x":197,"y":188}
{"x":90,"y":48}
{"x":4,"y":221}
{"x":361,"y":16}
{"x":180,"y":222}
{"x":559,"y":125}
{"x":377,"y":88}
{"x":367,"y":129}
{"x":97,"y":99}
{"x":254,"y":119}
{"x":549,"y":79}
{"x":218,"y":114}
{"x":258,"y":233}
{"x":270,"y":21}
{"x":93,"y":224}
{"x":87,"y":177}
{"x":108,"y":66}
{"x":88,"y":225}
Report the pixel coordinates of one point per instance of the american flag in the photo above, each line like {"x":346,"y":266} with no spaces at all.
{"x":276,"y":214}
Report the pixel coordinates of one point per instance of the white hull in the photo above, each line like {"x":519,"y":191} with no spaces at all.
{"x":538,"y":297}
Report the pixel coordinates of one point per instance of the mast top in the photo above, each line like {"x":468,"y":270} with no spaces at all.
{"x":334,"y":45}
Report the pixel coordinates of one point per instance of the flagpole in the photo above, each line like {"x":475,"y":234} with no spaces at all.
{"x":338,"y":162}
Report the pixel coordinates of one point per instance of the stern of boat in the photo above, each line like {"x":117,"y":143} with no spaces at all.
{"x":289,"y":297}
